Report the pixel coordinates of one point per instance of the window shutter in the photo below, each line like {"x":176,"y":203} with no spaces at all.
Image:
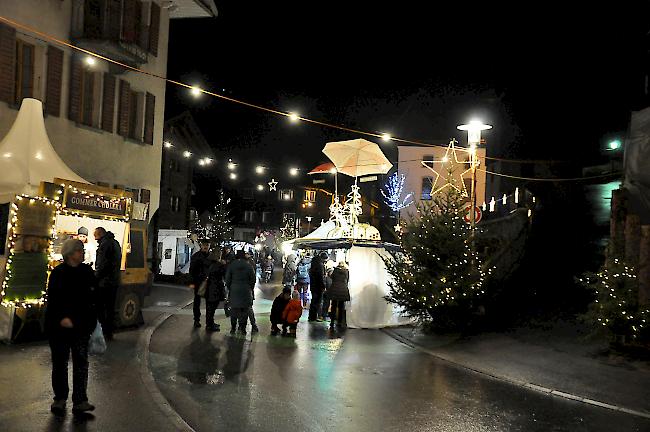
{"x":114,"y":17}
{"x":123,"y":114}
{"x":154,"y":28}
{"x":108,"y":103}
{"x":76,"y":77}
{"x":149,"y":114}
{"x":54,"y":78}
{"x":7,"y":63}
{"x":129,"y":21}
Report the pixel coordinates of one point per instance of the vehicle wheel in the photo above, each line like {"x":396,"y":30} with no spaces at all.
{"x":129,"y":309}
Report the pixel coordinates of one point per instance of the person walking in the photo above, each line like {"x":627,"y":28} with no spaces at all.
{"x":215,"y":292}
{"x":199,"y":266}
{"x":339,"y":293}
{"x":289,"y":276}
{"x":317,"y":287}
{"x":70,"y":319}
{"x":251,"y":312}
{"x":240,"y":281}
{"x":108,"y":263}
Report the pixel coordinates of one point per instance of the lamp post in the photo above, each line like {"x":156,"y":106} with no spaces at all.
{"x":473,"y":129}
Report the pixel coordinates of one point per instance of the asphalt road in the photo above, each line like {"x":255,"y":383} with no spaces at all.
{"x":360,"y":380}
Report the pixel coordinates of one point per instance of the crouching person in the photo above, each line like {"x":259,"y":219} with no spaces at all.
{"x":291,"y":315}
{"x":277,"y":310}
{"x":70,"y":319}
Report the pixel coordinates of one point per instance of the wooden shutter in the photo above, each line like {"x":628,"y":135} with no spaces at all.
{"x":150,"y":110}
{"x":114,"y":19}
{"x":108,"y":103}
{"x":154,"y":28}
{"x":123,"y":113}
{"x":129,"y":21}
{"x":7,"y":62}
{"x":54,"y":79}
{"x":76,"y":81}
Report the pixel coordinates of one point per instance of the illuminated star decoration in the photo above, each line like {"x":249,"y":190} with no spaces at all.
{"x":273,"y":185}
{"x":398,"y":229}
{"x":451,"y":170}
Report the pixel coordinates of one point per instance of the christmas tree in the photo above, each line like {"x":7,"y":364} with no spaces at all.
{"x":437,"y":277}
{"x":217,"y":228}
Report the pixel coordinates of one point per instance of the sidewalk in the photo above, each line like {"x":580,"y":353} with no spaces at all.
{"x":558,"y":359}
{"x":115,"y":384}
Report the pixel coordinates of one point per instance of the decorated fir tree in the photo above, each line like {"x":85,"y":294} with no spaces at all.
{"x":217,"y":228}
{"x":437,"y":277}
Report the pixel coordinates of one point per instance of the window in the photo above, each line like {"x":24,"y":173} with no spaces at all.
{"x":427,"y":185}
{"x":24,"y":71}
{"x":286,"y":194}
{"x":175,"y":203}
{"x":249,"y":216}
{"x":266,"y":217}
{"x":428,"y":160}
{"x":136,"y":120}
{"x":310,"y":196}
{"x":87,"y":97}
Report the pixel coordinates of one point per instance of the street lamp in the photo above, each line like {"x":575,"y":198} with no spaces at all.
{"x":259,"y":169}
{"x":293,"y":171}
{"x":614,"y":145}
{"x":473,"y":129}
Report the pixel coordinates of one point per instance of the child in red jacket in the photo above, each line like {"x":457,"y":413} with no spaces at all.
{"x":291,"y":315}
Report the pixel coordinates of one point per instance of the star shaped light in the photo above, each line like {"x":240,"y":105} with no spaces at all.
{"x":273,"y":185}
{"x":451,"y":170}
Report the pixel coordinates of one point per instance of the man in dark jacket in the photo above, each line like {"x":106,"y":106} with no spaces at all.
{"x":70,"y":319}
{"x":317,"y":286}
{"x":199,"y":269}
{"x":107,"y":270}
{"x":240,"y":281}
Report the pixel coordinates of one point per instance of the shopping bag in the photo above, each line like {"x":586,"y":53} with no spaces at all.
{"x":97,"y":344}
{"x":202,"y":288}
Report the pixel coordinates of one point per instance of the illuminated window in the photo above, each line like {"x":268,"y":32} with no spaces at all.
{"x":427,"y":185}
{"x":286,"y":194}
{"x":310,"y":196}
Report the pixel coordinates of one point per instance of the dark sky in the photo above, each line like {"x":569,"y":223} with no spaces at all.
{"x":553,"y":81}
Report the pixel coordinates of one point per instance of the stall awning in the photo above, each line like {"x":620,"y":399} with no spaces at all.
{"x":27,"y":157}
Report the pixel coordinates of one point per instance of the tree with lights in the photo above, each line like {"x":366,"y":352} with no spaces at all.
{"x":616,"y":306}
{"x":437,"y":277}
{"x":394,"y":189}
{"x":218,"y":228}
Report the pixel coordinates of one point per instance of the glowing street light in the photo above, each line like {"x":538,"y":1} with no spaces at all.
{"x":260,"y":188}
{"x":386,"y":137}
{"x":168,"y":144}
{"x":473,"y":129}
{"x":232,"y":165}
{"x":187,"y":154}
{"x":207,"y":160}
{"x":259,"y":169}
{"x":233,"y":176}
{"x":293,"y":171}
{"x":90,"y":61}
{"x":614,"y":145}
{"x":196,"y":91}
{"x":294,"y":117}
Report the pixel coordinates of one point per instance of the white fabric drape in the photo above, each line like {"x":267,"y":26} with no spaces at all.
{"x":368,"y":286}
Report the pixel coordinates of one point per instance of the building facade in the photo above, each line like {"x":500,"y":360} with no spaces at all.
{"x":416,"y":164}
{"x":104,"y":121}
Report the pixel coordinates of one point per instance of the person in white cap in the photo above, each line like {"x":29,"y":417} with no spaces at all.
{"x":70,"y":319}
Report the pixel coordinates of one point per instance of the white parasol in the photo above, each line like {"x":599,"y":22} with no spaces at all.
{"x":357,"y":157}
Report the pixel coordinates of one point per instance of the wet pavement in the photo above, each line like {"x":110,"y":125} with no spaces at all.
{"x":359,"y":380}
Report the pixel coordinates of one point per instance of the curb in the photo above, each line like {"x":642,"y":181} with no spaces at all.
{"x":147,"y":377}
{"x":530,"y":386}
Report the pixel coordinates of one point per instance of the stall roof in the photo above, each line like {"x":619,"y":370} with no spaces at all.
{"x":27,"y":157}
{"x":342,"y":244}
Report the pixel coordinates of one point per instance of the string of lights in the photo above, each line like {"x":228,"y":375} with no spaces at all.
{"x":197,"y":91}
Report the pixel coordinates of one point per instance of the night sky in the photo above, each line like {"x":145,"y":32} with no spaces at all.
{"x":553,"y":82}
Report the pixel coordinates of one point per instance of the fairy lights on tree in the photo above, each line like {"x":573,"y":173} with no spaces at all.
{"x":218,"y":227}
{"x":394,"y":189}
{"x":437,"y":277}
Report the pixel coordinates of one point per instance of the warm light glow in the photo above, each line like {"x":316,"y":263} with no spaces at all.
{"x":294,"y":117}
{"x":445,"y":159}
{"x":310,"y":204}
{"x":285,"y":196}
{"x":259,"y":169}
{"x":260,"y":187}
{"x":201,"y":162}
{"x":333,"y":171}
{"x":233,"y":176}
{"x":187,"y":154}
{"x":90,"y":61}
{"x":6,"y":155}
{"x":208,"y":161}
{"x":386,"y":137}
{"x":293,"y":171}
{"x":168,"y":144}
{"x":474,"y":125}
{"x":196,"y":91}
{"x":38,"y":155}
{"x":232,"y":165}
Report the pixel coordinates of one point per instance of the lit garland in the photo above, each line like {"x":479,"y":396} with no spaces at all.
{"x":11,"y":242}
